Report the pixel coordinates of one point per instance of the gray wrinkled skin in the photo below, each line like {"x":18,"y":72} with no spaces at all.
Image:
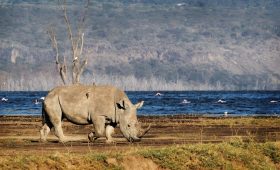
{"x":102,"y":106}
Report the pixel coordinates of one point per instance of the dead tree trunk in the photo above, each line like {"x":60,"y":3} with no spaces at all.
{"x":79,"y":61}
{"x":61,"y":66}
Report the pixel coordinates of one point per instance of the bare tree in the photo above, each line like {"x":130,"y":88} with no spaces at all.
{"x":79,"y":61}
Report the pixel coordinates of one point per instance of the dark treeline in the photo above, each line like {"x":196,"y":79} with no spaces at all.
{"x":144,"y":45}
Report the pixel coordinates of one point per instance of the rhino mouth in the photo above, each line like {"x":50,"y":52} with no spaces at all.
{"x":141,"y":133}
{"x":131,"y":140}
{"x":134,"y":135}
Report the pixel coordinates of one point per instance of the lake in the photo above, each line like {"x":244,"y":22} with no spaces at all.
{"x":209,"y":103}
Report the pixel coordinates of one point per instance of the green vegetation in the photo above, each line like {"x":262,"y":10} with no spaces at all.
{"x":235,"y":154}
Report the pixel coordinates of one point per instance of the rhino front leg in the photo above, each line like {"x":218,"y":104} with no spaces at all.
{"x":99,"y":128}
{"x":109,"y":132}
{"x":92,"y":137}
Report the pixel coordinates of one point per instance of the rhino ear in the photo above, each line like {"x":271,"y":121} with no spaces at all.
{"x":139,"y":105}
{"x":121,"y":105}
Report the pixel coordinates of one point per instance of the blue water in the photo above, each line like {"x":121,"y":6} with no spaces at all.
{"x":243,"y":103}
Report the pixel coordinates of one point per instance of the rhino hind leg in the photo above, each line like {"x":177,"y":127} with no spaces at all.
{"x":59,"y":133}
{"x":55,"y":119}
{"x":45,"y":130}
{"x":92,"y":137}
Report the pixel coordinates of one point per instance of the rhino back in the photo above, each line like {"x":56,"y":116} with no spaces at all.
{"x":72,"y":101}
{"x":80,"y":103}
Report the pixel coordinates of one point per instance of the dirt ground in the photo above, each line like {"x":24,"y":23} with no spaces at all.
{"x":20,"y":134}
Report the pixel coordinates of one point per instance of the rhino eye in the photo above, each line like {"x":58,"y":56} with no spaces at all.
{"x":128,"y":125}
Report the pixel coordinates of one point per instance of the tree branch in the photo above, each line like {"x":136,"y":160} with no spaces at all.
{"x":77,"y":45}
{"x":54,"y":43}
{"x":63,"y":71}
{"x":61,"y":67}
{"x":82,"y":44}
{"x":69,"y":30}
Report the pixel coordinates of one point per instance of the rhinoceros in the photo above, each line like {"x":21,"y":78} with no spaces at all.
{"x":103,"y":106}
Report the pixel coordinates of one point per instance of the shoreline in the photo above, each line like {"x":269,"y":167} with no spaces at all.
{"x":169,"y":115}
{"x":19,"y":138}
{"x":165,"y":130}
{"x":178,"y":116}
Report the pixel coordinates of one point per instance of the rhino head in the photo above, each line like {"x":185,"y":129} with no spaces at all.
{"x":129,"y":125}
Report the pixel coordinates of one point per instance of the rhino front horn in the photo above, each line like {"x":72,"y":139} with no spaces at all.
{"x":142,"y":131}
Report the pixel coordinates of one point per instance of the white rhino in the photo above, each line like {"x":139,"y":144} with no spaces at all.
{"x":103,"y":106}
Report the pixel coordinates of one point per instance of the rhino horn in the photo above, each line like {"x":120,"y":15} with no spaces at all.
{"x":143,"y":131}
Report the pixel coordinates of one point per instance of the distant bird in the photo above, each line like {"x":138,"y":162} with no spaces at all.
{"x":36,"y":101}
{"x":159,"y":94}
{"x":4,"y":99}
{"x":221,"y":101}
{"x":185,"y":101}
{"x":273,"y":101}
{"x":181,"y":4}
{"x":42,"y":98}
{"x":225,"y":114}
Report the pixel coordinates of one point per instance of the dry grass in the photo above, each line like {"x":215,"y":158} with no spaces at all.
{"x":235,"y":154}
{"x":222,"y":121}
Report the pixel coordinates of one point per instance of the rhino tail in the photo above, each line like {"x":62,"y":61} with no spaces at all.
{"x":45,"y":116}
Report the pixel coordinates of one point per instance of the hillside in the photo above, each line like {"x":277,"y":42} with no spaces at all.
{"x":147,"y":45}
